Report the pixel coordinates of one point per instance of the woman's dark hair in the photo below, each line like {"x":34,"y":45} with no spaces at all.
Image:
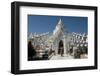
{"x":30,"y":44}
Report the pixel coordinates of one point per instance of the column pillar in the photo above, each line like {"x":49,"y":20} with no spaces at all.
{"x":65,"y":46}
{"x":56,"y":47}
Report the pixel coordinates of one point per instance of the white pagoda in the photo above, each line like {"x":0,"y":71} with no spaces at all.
{"x":59,"y":38}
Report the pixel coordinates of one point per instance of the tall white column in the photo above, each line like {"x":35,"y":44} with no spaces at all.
{"x":65,"y":46}
{"x":56,"y":47}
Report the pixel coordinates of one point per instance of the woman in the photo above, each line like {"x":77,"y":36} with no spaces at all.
{"x":31,"y":51}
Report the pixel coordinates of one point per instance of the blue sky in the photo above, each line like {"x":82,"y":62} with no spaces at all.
{"x":42,"y":24}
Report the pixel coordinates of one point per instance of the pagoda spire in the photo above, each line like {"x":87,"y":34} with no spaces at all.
{"x":60,"y":22}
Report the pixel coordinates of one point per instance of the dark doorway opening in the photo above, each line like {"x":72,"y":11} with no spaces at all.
{"x":60,"y":48}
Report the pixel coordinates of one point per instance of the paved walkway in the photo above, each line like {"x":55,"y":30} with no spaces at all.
{"x":59,"y":57}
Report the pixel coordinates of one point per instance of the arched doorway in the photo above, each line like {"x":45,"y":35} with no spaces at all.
{"x":60,"y":47}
